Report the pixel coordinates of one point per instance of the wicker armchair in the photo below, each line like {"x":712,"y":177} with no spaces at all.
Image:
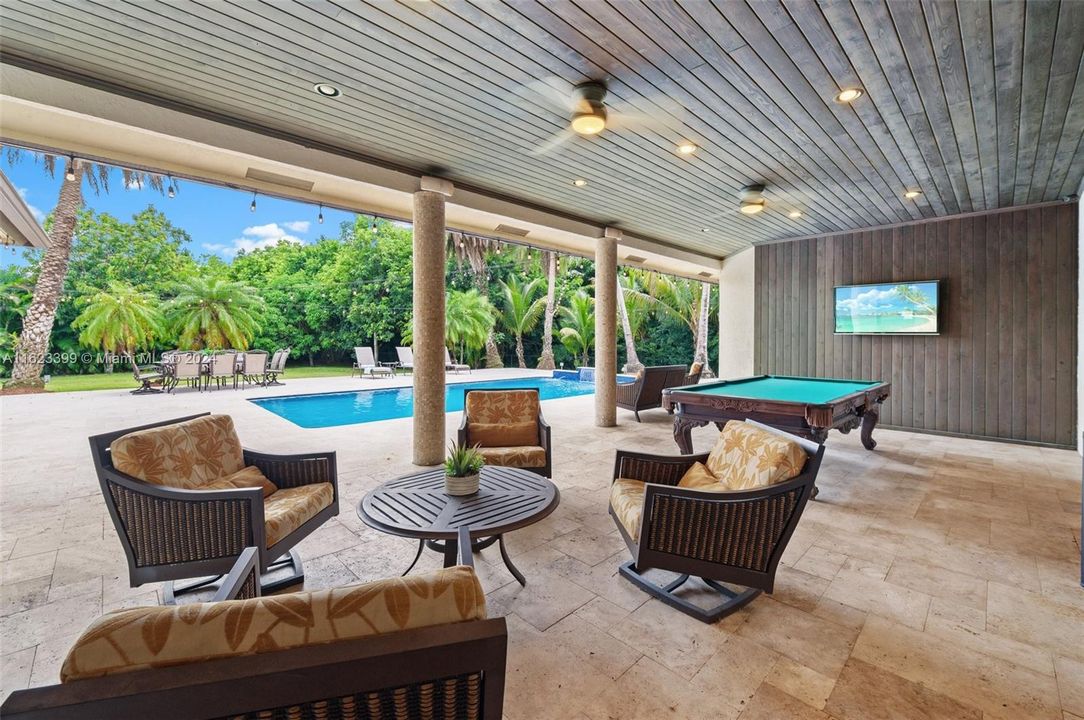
{"x":492,"y":413}
{"x":734,"y":537}
{"x":450,"y":670}
{"x":169,"y":533}
{"x":645,"y":392}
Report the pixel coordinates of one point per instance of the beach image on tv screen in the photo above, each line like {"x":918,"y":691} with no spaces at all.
{"x":888,"y":308}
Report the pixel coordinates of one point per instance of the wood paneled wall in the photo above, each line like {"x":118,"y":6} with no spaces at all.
{"x":1004,"y":365}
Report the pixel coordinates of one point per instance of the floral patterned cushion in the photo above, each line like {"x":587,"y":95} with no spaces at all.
{"x":746,"y":456}
{"x":503,"y":434}
{"x":289,"y":508}
{"x":149,"y":637}
{"x":520,"y":456}
{"x":627,"y":500}
{"x":244,"y":478}
{"x":185,"y":455}
{"x":700,"y":478}
{"x":501,"y":406}
{"x":695,"y":368}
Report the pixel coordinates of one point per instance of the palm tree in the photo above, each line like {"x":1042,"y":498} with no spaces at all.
{"x":685,"y":301}
{"x":214,"y":313}
{"x":472,"y":249}
{"x":632,"y":362}
{"x":577,"y":331}
{"x":120,"y":320}
{"x":521,"y":310}
{"x":37,"y":326}
{"x":468,"y":321}
{"x":545,"y":361}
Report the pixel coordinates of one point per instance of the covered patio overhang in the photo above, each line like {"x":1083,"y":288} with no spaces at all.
{"x":18,"y":226}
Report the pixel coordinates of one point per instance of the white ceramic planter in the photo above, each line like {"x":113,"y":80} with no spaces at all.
{"x":461,"y":485}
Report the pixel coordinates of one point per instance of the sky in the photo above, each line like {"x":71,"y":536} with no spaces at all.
{"x":217,"y":219}
{"x":880,"y":299}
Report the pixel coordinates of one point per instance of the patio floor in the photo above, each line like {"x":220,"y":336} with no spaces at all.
{"x":933,"y":578}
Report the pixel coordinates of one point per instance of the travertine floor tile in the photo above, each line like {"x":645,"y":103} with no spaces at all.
{"x":861,"y":591}
{"x":819,"y":644}
{"x":801,"y":682}
{"x":1070,"y":684}
{"x":771,"y":703}
{"x":1035,"y":619}
{"x":865,"y":692}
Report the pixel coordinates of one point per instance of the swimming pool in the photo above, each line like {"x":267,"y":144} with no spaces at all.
{"x":362,"y":406}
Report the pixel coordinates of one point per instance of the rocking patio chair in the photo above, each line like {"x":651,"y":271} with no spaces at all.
{"x":186,"y":499}
{"x":719,"y":535}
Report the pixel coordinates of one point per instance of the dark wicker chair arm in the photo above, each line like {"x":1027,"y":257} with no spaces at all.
{"x":243,"y":581}
{"x":744,"y":529}
{"x":166,"y":526}
{"x":658,"y":469}
{"x":288,"y":471}
{"x":544,"y":433}
{"x":463,"y":436}
{"x":628,"y":392}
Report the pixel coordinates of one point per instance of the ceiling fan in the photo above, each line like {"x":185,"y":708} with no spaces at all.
{"x":587,"y":111}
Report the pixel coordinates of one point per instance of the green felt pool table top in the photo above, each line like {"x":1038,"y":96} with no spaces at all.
{"x":814,"y":391}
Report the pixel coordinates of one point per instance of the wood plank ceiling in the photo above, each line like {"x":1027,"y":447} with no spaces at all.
{"x":979,"y":105}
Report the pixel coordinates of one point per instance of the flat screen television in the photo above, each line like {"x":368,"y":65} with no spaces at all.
{"x":899,"y":308}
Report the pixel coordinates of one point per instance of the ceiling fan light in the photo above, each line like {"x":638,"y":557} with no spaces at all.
{"x":589,"y":123}
{"x":751,"y":207}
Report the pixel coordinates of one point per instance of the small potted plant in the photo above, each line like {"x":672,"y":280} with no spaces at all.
{"x":461,"y":470}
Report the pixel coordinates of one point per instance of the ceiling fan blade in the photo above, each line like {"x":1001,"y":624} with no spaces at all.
{"x":537,"y":93}
{"x":638,"y":121}
{"x":555,"y":141}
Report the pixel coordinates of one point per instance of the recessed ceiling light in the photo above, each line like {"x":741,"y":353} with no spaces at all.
{"x":794,"y":214}
{"x":705,"y":229}
{"x":327,"y":90}
{"x":848,"y":95}
{"x":911,"y":194}
{"x":687,"y":147}
{"x":579,"y":182}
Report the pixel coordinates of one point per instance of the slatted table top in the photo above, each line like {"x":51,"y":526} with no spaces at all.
{"x":416,"y":505}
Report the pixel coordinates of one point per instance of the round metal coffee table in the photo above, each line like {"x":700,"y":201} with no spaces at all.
{"x":416,"y":506}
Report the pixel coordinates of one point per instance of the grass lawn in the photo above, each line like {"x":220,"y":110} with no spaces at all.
{"x":122,"y":379}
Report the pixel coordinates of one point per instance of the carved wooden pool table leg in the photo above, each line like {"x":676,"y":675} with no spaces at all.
{"x":869,"y":421}
{"x":683,"y":433}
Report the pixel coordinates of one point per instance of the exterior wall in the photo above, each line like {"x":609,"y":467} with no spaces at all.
{"x":736,"y":312}
{"x":1005,"y":363}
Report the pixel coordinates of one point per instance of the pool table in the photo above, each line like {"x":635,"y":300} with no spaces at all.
{"x":808,"y":407}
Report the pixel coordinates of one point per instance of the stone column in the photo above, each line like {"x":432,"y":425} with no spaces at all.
{"x":429,"y":266}
{"x":606,"y":329}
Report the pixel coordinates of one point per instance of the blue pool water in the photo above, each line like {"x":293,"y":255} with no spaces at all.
{"x":361,"y":406}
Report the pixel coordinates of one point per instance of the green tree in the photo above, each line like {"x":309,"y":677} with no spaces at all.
{"x":468,"y":322}
{"x":37,"y":327}
{"x":473,"y":250}
{"x":214,"y":313}
{"x":521,"y":309}
{"x":120,"y":320}
{"x":577,"y":331}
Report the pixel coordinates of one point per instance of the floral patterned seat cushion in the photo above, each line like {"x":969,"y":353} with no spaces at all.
{"x":244,"y":478}
{"x":747,"y":456}
{"x":503,"y":434}
{"x":520,"y":456}
{"x":149,"y":637}
{"x":501,"y":406}
{"x":627,"y":501}
{"x":287,"y":509}
{"x":186,"y":455}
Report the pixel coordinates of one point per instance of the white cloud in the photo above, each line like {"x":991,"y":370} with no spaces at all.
{"x":297,"y":226}
{"x":255,"y":237}
{"x":135,"y":183}
{"x":36,"y":212}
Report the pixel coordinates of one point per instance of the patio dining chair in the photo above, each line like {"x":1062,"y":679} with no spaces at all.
{"x":276,"y":367}
{"x":253,"y":367}
{"x":450,"y":364}
{"x":186,"y":367}
{"x":186,"y":499}
{"x":365,"y":364}
{"x":392,"y":648}
{"x":222,"y":367}
{"x":724,"y":516}
{"x":150,"y":378}
{"x":406,"y":358}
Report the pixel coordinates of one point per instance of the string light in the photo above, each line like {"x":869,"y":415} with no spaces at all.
{"x":171,"y":192}
{"x":252,"y":207}
{"x":69,"y":173}
{"x":320,"y":217}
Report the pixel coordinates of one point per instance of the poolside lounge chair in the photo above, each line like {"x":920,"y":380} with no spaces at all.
{"x":645,"y":392}
{"x":689,"y":520}
{"x":253,"y":367}
{"x":450,"y":365}
{"x":366,"y":650}
{"x":222,"y":367}
{"x":150,"y":379}
{"x":186,"y":498}
{"x":366,"y":364}
{"x":506,"y":426}
{"x":276,"y":367}
{"x":406,"y":358}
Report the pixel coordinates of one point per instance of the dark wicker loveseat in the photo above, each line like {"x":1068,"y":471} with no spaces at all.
{"x":171,"y":533}
{"x":735,"y":537}
{"x":645,"y":392}
{"x":447,"y":666}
